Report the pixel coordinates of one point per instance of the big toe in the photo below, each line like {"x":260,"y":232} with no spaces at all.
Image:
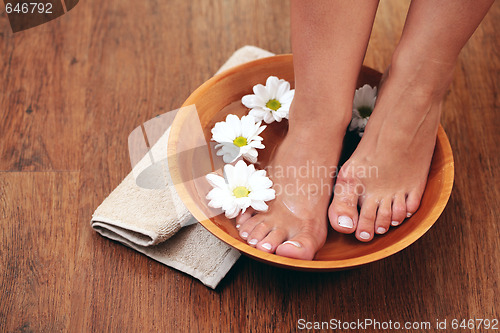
{"x":343,"y":211}
{"x":302,"y":246}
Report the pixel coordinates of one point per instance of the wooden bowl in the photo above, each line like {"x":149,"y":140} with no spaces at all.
{"x":222,"y":95}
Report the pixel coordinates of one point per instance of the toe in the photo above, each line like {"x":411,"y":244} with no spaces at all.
{"x":343,"y":212}
{"x":272,"y":240}
{"x":246,"y":228}
{"x":384,"y":214}
{"x":242,"y":218}
{"x":398,"y":209}
{"x":366,"y":223}
{"x":301,"y":246}
{"x":258,"y":233}
{"x":412,"y":202}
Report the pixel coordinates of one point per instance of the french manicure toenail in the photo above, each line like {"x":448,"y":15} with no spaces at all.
{"x":294,"y":243}
{"x":244,"y":234}
{"x":380,"y":230}
{"x":253,"y":241}
{"x":345,"y":221}
{"x":238,"y":226}
{"x":394,"y":223}
{"x":364,"y":235}
{"x":267,"y":246}
{"x":408,"y":214}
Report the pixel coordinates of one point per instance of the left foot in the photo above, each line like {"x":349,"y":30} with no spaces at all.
{"x":302,"y":171}
{"x":387,"y":173}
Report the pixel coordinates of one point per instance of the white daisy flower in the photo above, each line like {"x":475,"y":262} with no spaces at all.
{"x":362,"y":108}
{"x":241,"y":187}
{"x":238,"y":137}
{"x":270,"y":102}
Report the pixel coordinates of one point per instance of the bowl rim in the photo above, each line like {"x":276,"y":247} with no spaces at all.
{"x":285,"y":262}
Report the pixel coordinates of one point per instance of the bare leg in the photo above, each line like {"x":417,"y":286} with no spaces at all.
{"x":329,"y":40}
{"x":400,"y":136}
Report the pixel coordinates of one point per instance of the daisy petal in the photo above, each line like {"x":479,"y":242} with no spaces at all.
{"x":261,"y":91}
{"x":240,"y":176}
{"x":272,"y":85}
{"x":251,"y":155}
{"x":234,"y":122}
{"x":268,"y":117}
{"x":266,"y":195}
{"x":231,"y":211}
{"x":282,"y":89}
{"x":216,"y":180}
{"x":287,"y":97}
{"x":258,"y":113}
{"x":250,"y":101}
{"x":248,"y":127}
{"x":259,"y":205}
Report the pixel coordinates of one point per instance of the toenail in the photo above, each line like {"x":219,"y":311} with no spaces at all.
{"x":238,"y":226}
{"x":294,"y":243}
{"x":364,"y":235}
{"x":267,"y":246}
{"x":408,"y":214}
{"x":394,"y":223}
{"x":253,"y":241}
{"x":244,"y":235}
{"x":380,"y":230}
{"x":345,"y":221}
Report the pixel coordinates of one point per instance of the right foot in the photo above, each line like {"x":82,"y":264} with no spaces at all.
{"x":387,"y":173}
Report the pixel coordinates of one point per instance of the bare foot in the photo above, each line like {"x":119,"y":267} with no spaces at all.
{"x":387,"y":173}
{"x":302,"y":171}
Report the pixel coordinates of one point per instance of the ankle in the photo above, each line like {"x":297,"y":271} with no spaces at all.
{"x":319,"y":115}
{"x":424,"y":75}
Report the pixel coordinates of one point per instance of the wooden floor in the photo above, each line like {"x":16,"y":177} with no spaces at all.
{"x":73,"y":89}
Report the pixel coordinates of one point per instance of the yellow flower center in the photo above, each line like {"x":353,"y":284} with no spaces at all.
{"x":273,"y":104}
{"x":365,"y":111}
{"x":241,"y":191}
{"x":240,"y":141}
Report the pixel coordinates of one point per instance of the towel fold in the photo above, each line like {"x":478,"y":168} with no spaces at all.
{"x":145,"y":213}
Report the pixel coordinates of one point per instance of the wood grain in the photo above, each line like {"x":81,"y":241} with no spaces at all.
{"x":73,"y":89}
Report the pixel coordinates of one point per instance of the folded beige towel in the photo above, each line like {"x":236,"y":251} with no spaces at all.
{"x":153,"y":220}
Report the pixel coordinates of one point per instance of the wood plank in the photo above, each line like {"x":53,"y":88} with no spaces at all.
{"x":37,"y":257}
